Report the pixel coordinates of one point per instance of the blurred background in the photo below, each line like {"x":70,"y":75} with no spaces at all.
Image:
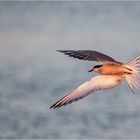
{"x":33,"y":75}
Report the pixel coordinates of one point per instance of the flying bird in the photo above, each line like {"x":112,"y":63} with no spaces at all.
{"x":112,"y":73}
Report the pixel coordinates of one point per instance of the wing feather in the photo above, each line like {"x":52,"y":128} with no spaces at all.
{"x":96,"y":83}
{"x":89,"y":55}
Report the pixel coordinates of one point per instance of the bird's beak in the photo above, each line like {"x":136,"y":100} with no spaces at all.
{"x":90,"y":70}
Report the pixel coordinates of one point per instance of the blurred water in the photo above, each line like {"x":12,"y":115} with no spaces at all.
{"x":33,"y":75}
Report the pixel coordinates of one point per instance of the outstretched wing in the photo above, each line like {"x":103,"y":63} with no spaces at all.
{"x":96,"y":83}
{"x":89,"y":55}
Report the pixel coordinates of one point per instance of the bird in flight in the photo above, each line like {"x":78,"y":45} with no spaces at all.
{"x":112,"y":73}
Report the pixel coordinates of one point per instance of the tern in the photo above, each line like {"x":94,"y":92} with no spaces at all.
{"x":112,"y":73}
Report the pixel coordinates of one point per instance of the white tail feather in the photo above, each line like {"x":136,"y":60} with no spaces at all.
{"x":133,"y":79}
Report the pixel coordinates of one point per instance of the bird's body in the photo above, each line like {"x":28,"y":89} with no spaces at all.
{"x":112,"y":69}
{"x":112,"y":73}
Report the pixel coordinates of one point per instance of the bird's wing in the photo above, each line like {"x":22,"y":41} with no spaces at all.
{"x":96,"y":83}
{"x":89,"y":55}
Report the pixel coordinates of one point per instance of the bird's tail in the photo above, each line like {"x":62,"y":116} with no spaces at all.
{"x":133,"y":78}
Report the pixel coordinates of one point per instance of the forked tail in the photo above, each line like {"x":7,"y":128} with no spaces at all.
{"x":133,"y":79}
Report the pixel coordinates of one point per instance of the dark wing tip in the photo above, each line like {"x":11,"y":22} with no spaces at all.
{"x":52,"y":107}
{"x":58,"y":105}
{"x":63,"y":51}
{"x":55,"y":106}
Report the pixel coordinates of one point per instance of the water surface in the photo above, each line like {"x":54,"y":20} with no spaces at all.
{"x":33,"y":75}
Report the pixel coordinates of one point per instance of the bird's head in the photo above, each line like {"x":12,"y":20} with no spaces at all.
{"x":95,"y":68}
